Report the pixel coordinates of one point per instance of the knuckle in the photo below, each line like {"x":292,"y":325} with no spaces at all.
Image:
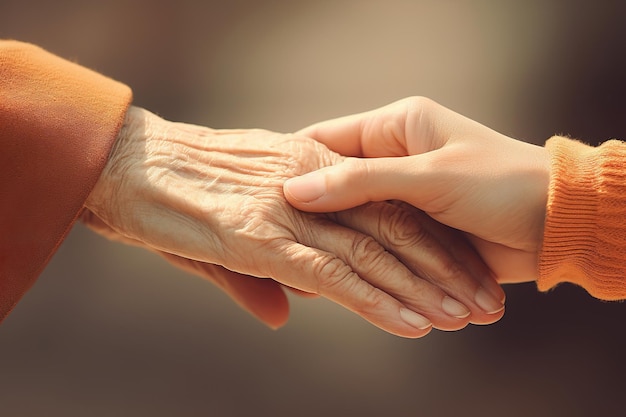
{"x":401,"y":229}
{"x":337,"y":280}
{"x":255,"y":221}
{"x":368,"y":253}
{"x":332,"y":275}
{"x":419,"y":104}
{"x":372,"y":299}
{"x":355,"y":170}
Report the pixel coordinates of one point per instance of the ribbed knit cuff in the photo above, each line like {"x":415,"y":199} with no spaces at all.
{"x":585,"y":230}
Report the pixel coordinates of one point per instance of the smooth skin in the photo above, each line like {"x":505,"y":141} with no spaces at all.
{"x":456,"y":170}
{"x":211,"y":201}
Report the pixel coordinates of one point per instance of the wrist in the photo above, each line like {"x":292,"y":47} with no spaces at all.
{"x":107,"y":196}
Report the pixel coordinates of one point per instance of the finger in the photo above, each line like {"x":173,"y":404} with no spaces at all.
{"x":356,"y":181}
{"x":490,"y":295}
{"x":463,"y":249}
{"x":315,"y":270}
{"x":379,"y":269}
{"x":439,"y":254}
{"x":430,"y":251}
{"x":263,"y":298}
{"x":342,"y":135}
{"x":381,"y":132}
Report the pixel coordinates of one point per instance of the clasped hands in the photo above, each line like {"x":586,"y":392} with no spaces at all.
{"x":408,"y":244}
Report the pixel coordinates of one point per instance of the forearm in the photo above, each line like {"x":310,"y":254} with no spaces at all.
{"x":58,"y":122}
{"x":585,"y":229}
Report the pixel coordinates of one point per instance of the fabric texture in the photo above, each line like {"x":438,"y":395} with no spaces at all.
{"x":58,"y":122}
{"x":585,"y":230}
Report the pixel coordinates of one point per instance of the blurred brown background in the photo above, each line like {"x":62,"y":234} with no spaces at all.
{"x":112,"y":331}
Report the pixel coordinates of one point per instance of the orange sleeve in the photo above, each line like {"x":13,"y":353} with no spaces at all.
{"x":585,"y":230}
{"x":58,"y":121}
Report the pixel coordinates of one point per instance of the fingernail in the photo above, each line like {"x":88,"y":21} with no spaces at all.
{"x":306,"y":188}
{"x":453,"y":308}
{"x":492,"y":286}
{"x":487,"y":302}
{"x":415,"y":320}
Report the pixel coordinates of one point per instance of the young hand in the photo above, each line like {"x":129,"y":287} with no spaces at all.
{"x":460,"y":172}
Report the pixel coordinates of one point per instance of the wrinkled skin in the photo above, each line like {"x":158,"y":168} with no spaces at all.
{"x":211,"y":201}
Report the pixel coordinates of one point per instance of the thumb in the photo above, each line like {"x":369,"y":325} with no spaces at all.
{"x":356,"y":181}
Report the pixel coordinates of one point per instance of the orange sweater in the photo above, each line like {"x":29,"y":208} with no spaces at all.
{"x":59,"y":120}
{"x":585,"y":230}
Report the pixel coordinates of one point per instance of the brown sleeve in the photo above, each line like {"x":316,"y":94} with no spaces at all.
{"x":585,"y":231}
{"x":58,"y":121}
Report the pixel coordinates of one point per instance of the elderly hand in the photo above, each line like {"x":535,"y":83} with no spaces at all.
{"x":460,"y":172}
{"x":215,"y":197}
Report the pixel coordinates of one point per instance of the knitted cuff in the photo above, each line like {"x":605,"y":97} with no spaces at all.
{"x":585,"y":230}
